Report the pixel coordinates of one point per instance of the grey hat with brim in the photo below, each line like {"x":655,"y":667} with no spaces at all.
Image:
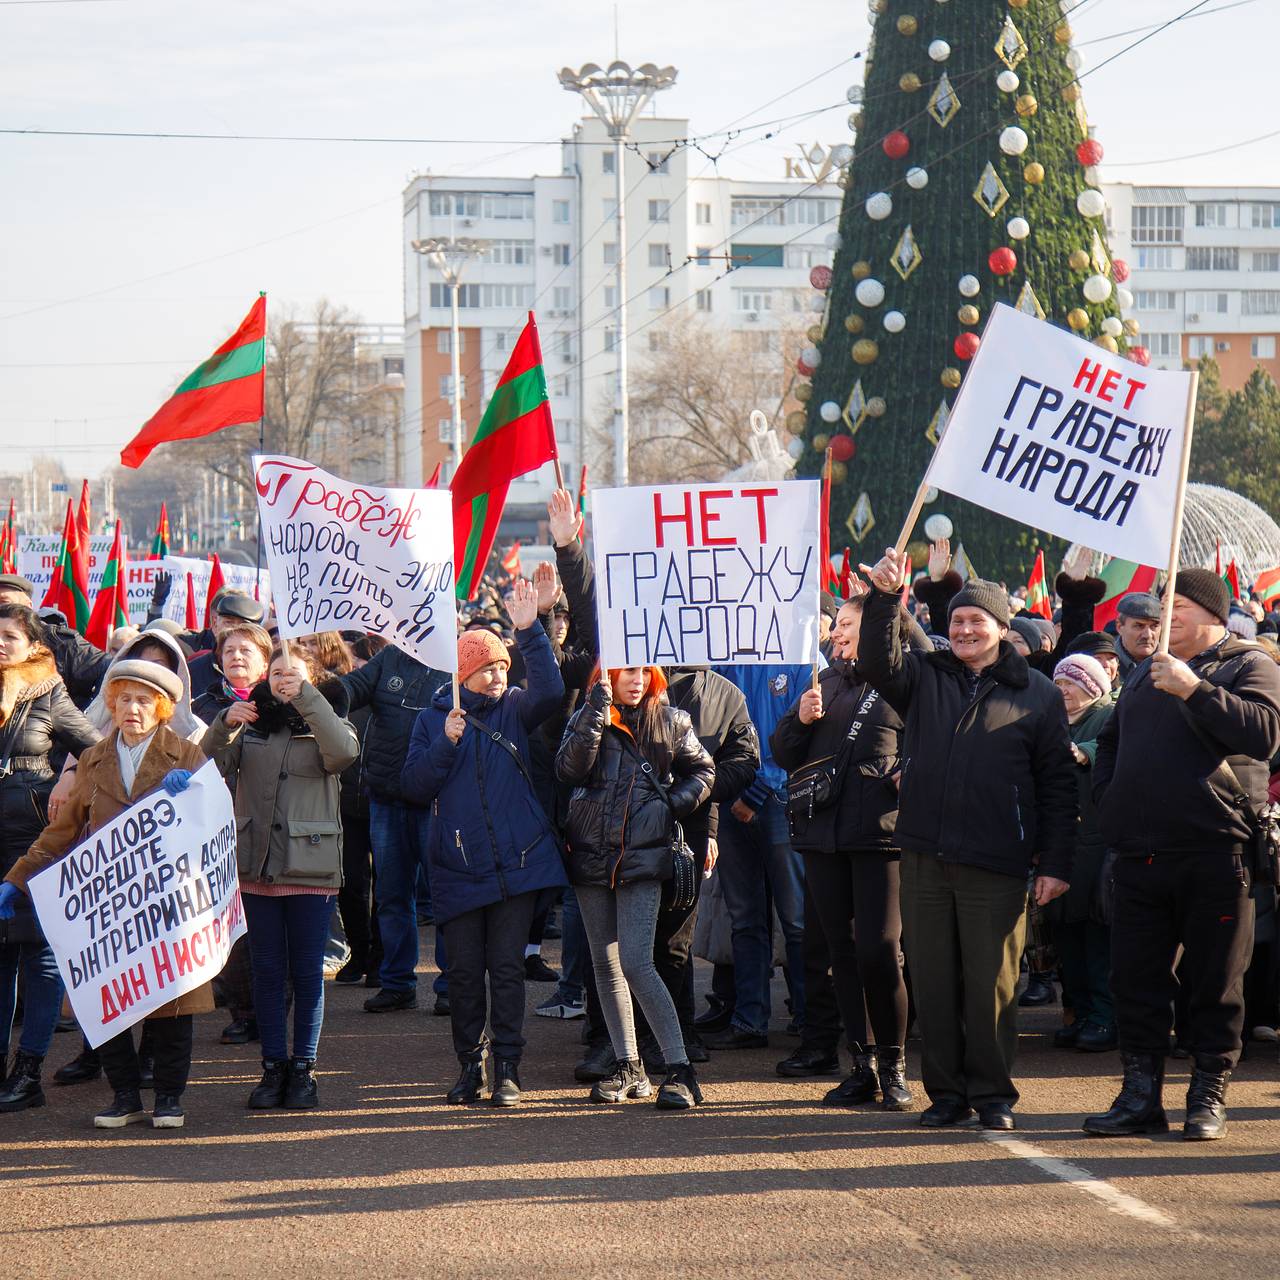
{"x":152,"y":674}
{"x":16,"y":582}
{"x":1139,"y":604}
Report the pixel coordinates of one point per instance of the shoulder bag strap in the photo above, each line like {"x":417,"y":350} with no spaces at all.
{"x":15,"y":723}
{"x":1224,"y":773}
{"x":508,"y":746}
{"x":867,"y":698}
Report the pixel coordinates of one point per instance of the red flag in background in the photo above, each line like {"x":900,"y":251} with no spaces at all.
{"x":64,"y":592}
{"x":827,"y":580}
{"x":434,"y":482}
{"x":1038,"y":590}
{"x":84,"y":530}
{"x":1232,"y":579}
{"x":846,"y":574}
{"x":216,"y":583}
{"x":192,"y":619}
{"x":9,"y":543}
{"x":906,"y":584}
{"x":1121,"y":577}
{"x":511,"y":562}
{"x":160,"y":543}
{"x":111,"y":608}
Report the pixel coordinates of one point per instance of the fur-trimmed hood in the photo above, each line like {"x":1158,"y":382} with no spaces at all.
{"x":27,"y":680}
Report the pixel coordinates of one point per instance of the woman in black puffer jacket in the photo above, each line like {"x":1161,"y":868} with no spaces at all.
{"x":850,"y":862}
{"x":36,"y":715}
{"x":619,"y":831}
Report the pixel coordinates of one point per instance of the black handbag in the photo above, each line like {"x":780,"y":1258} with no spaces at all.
{"x":683,"y":892}
{"x":814,"y":786}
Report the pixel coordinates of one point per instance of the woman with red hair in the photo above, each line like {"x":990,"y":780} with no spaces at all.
{"x":636,"y":766}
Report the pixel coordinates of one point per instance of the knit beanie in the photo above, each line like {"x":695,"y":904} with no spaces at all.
{"x":478,"y":649}
{"x":1093,"y":643}
{"x":978,"y":594}
{"x":1205,"y":588}
{"x":1028,"y":631}
{"x":1085,"y":672}
{"x":1045,"y":628}
{"x":1242,"y":624}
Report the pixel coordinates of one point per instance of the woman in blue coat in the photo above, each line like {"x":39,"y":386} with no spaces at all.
{"x":491,"y":848}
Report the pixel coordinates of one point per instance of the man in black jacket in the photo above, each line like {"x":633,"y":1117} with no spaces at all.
{"x":987,"y":794}
{"x":396,"y":687}
{"x":80,"y":664}
{"x":1193,"y":729}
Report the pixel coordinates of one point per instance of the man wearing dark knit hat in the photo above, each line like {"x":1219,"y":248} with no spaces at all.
{"x":1194,"y":729}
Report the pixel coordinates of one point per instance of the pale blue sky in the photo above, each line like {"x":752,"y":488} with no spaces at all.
{"x":100,"y":238}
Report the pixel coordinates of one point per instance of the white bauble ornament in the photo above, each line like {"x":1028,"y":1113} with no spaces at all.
{"x":917,"y":178}
{"x":1112,"y":326}
{"x":869,"y":292}
{"x":811,"y":356}
{"x":1096,"y":289}
{"x":879,"y":206}
{"x":1008,"y":82}
{"x":829,"y":411}
{"x":894,"y":321}
{"x":1124,"y":299}
{"x":841,"y":154}
{"x":854,"y":93}
{"x":1074,"y":60}
{"x":1090,"y":203}
{"x":969,"y":286}
{"x":833,"y":240}
{"x":1018,"y":228}
{"x":795,"y":447}
{"x":1014,"y":141}
{"x":818,"y":302}
{"x":938,"y":526}
{"x":939,"y":50}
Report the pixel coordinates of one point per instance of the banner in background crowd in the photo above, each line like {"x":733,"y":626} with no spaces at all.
{"x":348,"y":556}
{"x":707,"y":574}
{"x":1061,"y":435}
{"x":147,"y":908}
{"x":236,"y":577}
{"x":38,"y":555}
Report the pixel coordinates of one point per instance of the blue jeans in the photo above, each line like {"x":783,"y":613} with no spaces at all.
{"x":42,"y":995}
{"x":573,"y":951}
{"x":287,"y":936}
{"x":399,"y":834}
{"x":756,"y":861}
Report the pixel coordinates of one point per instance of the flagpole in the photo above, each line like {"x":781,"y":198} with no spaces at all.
{"x":262,"y":448}
{"x":1175,"y":539}
{"x":823,"y":569}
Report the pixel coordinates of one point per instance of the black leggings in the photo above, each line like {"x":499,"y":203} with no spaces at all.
{"x":858,"y":893}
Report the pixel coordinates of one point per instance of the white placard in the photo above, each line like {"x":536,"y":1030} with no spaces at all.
{"x":38,"y":554}
{"x":707,"y":574}
{"x":235,"y":577}
{"x":1058,"y":434}
{"x":360,"y":557}
{"x":147,"y":908}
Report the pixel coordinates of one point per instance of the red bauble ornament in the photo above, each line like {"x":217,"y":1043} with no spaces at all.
{"x":803,"y":369}
{"x":1002,"y":261}
{"x":1119,"y":270}
{"x":820,"y":278}
{"x":966,"y":346}
{"x":842,"y":448}
{"x":1139,"y":355}
{"x":1089,"y":152}
{"x":896,"y":144}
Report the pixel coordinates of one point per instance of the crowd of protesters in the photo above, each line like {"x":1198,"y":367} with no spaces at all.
{"x":962,"y":810}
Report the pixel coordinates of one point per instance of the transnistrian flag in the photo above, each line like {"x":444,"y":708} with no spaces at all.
{"x":192,"y":618}
{"x":225,"y":391}
{"x":160,"y":543}
{"x":84,"y":531}
{"x":64,"y":592}
{"x":1266,"y":586}
{"x":1038,"y":590}
{"x":515,"y":436}
{"x":511,"y":562}
{"x":1232,"y":579}
{"x":827,"y":580}
{"x":1121,"y":577}
{"x":9,"y":543}
{"x":216,"y":584}
{"x":111,"y":608}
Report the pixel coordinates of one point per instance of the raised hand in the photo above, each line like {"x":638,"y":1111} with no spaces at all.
{"x":939,"y":559}
{"x":547,"y":586}
{"x":889,"y":573}
{"x":1076,"y":565}
{"x":523,"y":605}
{"x":563,"y":517}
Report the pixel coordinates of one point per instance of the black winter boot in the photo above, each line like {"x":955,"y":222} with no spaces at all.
{"x":270,"y":1090}
{"x":22,"y":1087}
{"x":1138,"y":1107}
{"x":125,"y":1108}
{"x":679,"y":1091}
{"x":506,"y":1084}
{"x":1206,"y":1100}
{"x":895,"y":1095}
{"x":862,"y":1086}
{"x":628,"y":1081}
{"x":300,"y":1092}
{"x":470,"y":1084}
{"x":81,"y":1069}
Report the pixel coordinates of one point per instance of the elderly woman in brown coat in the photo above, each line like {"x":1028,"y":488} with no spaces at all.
{"x":140,"y":754}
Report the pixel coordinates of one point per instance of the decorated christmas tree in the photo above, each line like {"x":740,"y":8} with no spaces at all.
{"x":972,"y":183}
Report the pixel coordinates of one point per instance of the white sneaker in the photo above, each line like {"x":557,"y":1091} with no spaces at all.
{"x":557,"y":1007}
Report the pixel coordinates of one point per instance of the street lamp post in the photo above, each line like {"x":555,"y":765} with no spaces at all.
{"x":617,"y":95}
{"x":449,"y":257}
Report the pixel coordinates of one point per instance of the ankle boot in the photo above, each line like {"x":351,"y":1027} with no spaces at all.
{"x":300,"y":1093}
{"x":895,"y":1095}
{"x":1206,"y":1099}
{"x":270,"y":1090}
{"x":860,"y":1087}
{"x":506,"y":1084}
{"x":22,"y":1087}
{"x":1138,"y":1107}
{"x":470,"y":1084}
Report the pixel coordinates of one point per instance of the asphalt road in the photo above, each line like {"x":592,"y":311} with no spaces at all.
{"x":388,"y":1181}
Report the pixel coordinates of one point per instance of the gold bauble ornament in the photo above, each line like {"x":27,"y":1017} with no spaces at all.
{"x":855,"y":120}
{"x":876,"y":406}
{"x":820,"y":441}
{"x":907,"y":25}
{"x":877,"y":6}
{"x":1106,"y":342}
{"x":1017,"y":4}
{"x":1034,"y":173}
{"x":795,"y":421}
{"x":861,"y":269}
{"x":803,"y":392}
{"x":864,"y":351}
{"x":909,"y":83}
{"x":854,"y":324}
{"x":950,"y":378}
{"x":1071,"y":93}
{"x":968,"y":314}
{"x":814,"y":333}
{"x":1079,"y":260}
{"x":1062,"y":33}
{"x":1131,"y":327}
{"x":1026,"y":104}
{"x":1078,"y":319}
{"x":839,"y":473}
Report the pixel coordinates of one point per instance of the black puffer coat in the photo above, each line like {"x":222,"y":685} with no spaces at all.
{"x":619,"y":825}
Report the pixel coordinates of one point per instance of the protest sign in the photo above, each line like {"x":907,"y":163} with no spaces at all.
{"x":236,"y":577}
{"x":346,"y":555}
{"x":1059,"y":434}
{"x":147,"y":908}
{"x":707,"y":574}
{"x":38,"y":554}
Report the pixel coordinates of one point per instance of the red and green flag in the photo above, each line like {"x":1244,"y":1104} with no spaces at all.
{"x":216,"y":584}
{"x":515,"y":436}
{"x":511,"y":562}
{"x":1232,"y":579}
{"x":1121,"y":577}
{"x":1038,"y":601}
{"x":65,"y":593}
{"x":827,"y":580}
{"x":111,"y":608}
{"x":1266,"y":586}
{"x":9,"y":543}
{"x":225,"y":391}
{"x":192,"y":620}
{"x":160,"y":543}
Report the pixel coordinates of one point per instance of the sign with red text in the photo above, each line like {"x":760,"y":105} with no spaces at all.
{"x":707,"y":574}
{"x":350,"y":556}
{"x":245,"y":578}
{"x":1056,"y":433}
{"x":38,"y":554}
{"x":147,"y":908}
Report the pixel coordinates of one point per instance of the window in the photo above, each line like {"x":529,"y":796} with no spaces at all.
{"x":755,"y":300}
{"x":1157,"y":224}
{"x":659,"y":255}
{"x":702,"y":255}
{"x":758,"y":213}
{"x":560,"y":385}
{"x":806,"y":256}
{"x":704,"y":299}
{"x":501,"y":340}
{"x":1266,"y":261}
{"x":610,"y":255}
{"x":657,"y":341}
{"x":444,"y":341}
{"x":610,"y":339}
{"x":609,"y":162}
{"x":446,"y":386}
{"x":610,"y":296}
{"x":809,"y":211}
{"x":1198,"y":346}
{"x":1155,"y":259}
{"x":562,"y":297}
{"x":756,"y":255}
{"x":560,"y":255}
{"x":658,"y":162}
{"x":760,"y":341}
{"x":1211,"y":215}
{"x":1260,"y":302}
{"x":659,"y":297}
{"x":1265,"y":215}
{"x":391,"y":365}
{"x":560,"y":211}
{"x":1199,"y":303}
{"x":509,"y":253}
{"x":481,"y":204}
{"x":1164,"y":345}
{"x":1263,"y":348}
{"x":444,"y":432}
{"x":610,"y":206}
{"x":659,"y":210}
{"x":484,"y":295}
{"x":702,"y":215}
{"x":1155,"y":300}
{"x":1215,"y":259}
